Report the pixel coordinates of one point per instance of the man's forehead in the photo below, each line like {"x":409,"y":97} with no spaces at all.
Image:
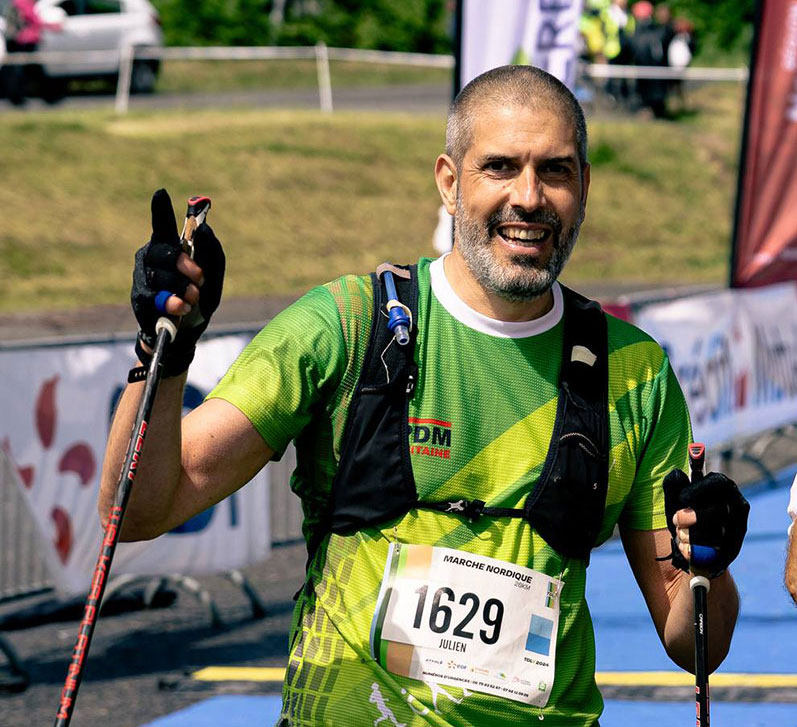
{"x":502,"y":124}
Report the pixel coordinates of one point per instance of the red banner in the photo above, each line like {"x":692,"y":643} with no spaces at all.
{"x":765,"y":238}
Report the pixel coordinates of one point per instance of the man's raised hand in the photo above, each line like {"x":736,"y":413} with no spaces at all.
{"x":166,"y":281}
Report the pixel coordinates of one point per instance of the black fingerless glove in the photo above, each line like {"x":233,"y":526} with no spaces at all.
{"x":155,"y":271}
{"x":721,"y":511}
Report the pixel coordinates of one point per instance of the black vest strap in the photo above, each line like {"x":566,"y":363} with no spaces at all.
{"x":566,"y":505}
{"x":374,"y":482}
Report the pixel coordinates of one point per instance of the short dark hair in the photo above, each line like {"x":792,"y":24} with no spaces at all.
{"x":524,"y":86}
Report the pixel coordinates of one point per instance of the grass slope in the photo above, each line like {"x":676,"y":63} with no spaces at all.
{"x":300,"y":197}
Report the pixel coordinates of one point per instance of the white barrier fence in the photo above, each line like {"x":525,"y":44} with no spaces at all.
{"x":322,"y":55}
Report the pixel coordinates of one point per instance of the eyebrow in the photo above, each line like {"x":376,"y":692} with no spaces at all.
{"x":491,"y":157}
{"x":569,"y":159}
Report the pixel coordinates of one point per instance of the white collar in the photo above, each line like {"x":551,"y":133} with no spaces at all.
{"x":460,"y":310}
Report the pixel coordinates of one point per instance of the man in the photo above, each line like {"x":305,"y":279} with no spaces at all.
{"x":449,"y":608}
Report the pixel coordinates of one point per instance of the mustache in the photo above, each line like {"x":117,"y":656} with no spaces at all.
{"x":536,"y":217}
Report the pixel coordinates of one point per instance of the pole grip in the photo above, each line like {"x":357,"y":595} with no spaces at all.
{"x":697,"y":460}
{"x":701,"y":556}
{"x":195,"y":214}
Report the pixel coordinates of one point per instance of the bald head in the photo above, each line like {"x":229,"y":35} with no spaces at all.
{"x":521,"y":86}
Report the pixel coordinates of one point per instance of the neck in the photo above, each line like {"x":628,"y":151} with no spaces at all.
{"x":488,"y":303}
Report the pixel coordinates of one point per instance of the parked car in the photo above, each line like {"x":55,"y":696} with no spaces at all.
{"x":98,"y":25}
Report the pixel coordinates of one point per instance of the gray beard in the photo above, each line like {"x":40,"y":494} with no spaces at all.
{"x":523,"y":279}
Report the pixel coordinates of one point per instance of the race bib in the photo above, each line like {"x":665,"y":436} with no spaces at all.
{"x":479,"y":623}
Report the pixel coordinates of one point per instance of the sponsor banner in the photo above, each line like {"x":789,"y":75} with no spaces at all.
{"x":541,"y":33}
{"x":765,"y":240}
{"x":54,"y":422}
{"x":735,"y":355}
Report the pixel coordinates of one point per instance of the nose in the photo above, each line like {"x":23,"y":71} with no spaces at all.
{"x":526,"y":192}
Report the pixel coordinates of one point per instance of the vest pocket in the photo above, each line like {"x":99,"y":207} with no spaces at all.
{"x":364,"y":494}
{"x":568,"y":511}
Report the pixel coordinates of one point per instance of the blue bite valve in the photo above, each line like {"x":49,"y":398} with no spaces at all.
{"x":702,"y":556}
{"x":398,"y":320}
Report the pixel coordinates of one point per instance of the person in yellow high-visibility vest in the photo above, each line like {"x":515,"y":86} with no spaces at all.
{"x":618,"y":27}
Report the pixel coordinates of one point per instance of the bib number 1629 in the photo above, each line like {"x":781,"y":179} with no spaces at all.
{"x":441,"y":614}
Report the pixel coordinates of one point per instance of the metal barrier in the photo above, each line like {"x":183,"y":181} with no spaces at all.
{"x":323,"y":55}
{"x":22,"y":567}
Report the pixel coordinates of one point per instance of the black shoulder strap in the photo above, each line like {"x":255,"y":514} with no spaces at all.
{"x":374,"y":480}
{"x":567,"y":504}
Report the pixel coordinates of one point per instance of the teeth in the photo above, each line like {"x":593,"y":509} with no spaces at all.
{"x":523,"y":234}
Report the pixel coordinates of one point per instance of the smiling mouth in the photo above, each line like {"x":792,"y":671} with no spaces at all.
{"x":524,"y":236}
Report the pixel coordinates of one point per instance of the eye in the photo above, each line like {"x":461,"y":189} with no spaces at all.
{"x":496,"y":165}
{"x":558,"y":168}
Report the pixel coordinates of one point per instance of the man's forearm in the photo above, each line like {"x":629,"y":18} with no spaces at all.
{"x":791,"y":565}
{"x":159,"y":467}
{"x":723,"y":610}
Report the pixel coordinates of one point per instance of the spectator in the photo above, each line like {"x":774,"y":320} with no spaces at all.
{"x":22,"y":35}
{"x":663,"y":18}
{"x":618,"y":27}
{"x":592,"y":36}
{"x":648,"y":48}
{"x":591,"y":39}
{"x":679,"y":54}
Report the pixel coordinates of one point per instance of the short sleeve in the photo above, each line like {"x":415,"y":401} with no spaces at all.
{"x":293,"y":364}
{"x":666,"y":437}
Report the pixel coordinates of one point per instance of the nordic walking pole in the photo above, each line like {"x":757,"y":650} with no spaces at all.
{"x":166,"y":330}
{"x":700,"y":586}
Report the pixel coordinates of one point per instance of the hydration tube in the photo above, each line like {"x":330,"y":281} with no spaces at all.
{"x":398,"y":316}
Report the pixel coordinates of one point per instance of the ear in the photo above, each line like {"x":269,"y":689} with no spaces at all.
{"x":584,"y":185}
{"x":445,"y":175}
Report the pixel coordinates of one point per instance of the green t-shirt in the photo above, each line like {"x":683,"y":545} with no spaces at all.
{"x":481,"y":420}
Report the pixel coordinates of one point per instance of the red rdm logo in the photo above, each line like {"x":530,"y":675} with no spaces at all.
{"x":430,"y":437}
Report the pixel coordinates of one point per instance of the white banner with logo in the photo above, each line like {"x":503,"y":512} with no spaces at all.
{"x":542,"y":33}
{"x":735,"y":355}
{"x":54,"y":420}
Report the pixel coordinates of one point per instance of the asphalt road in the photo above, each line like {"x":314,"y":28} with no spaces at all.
{"x":139,"y":658}
{"x":410,"y":98}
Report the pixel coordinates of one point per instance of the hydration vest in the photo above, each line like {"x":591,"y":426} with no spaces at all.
{"x":374,"y":482}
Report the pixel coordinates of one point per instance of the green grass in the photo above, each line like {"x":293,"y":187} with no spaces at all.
{"x":197,"y":76}
{"x":300,"y":197}
{"x":661,"y":202}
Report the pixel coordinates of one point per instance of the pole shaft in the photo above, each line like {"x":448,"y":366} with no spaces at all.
{"x":99,"y":580}
{"x":701,"y":657}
